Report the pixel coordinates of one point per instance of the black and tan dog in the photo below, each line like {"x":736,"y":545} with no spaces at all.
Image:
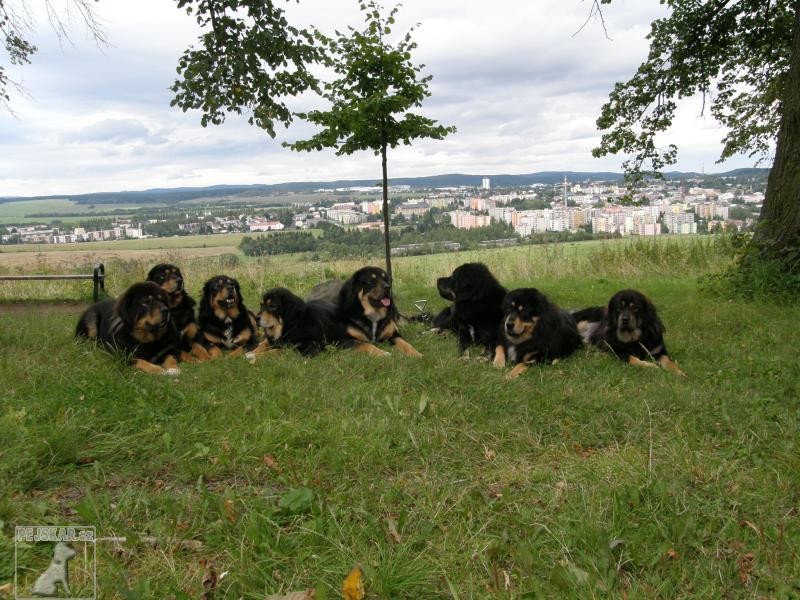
{"x":629,"y":328}
{"x":367,"y":311}
{"x":138,"y":324}
{"x":181,"y":308}
{"x":476,"y":311}
{"x":224,"y":321}
{"x":533,"y":330}
{"x":289,"y":321}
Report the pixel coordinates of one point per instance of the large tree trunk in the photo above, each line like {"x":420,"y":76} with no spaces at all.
{"x":779,"y":226}
{"x":386,"y":244}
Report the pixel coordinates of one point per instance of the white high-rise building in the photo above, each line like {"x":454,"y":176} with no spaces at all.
{"x":486,"y":184}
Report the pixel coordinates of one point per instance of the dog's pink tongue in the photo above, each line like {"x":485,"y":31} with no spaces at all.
{"x":386,"y":301}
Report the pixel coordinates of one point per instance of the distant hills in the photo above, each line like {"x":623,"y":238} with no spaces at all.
{"x":174,"y":195}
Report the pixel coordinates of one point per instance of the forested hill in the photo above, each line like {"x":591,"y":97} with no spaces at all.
{"x":174,"y":195}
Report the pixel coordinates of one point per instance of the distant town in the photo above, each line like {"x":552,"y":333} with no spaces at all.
{"x":662,"y":207}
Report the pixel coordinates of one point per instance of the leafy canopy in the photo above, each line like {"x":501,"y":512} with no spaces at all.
{"x":736,"y":54}
{"x":375,"y":88}
{"x":250,"y":59}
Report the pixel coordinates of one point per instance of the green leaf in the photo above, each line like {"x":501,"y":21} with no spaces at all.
{"x":296,"y":501}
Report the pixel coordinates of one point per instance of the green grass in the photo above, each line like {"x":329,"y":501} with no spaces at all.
{"x":585,"y":479}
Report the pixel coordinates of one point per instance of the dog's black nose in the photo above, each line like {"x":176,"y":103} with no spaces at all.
{"x":509,"y":327}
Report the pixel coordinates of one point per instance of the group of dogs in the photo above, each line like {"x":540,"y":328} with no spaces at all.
{"x":154,"y":323}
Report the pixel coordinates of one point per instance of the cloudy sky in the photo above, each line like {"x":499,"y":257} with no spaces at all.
{"x":522,"y":89}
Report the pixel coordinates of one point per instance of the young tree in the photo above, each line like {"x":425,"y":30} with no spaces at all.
{"x":743,"y":57}
{"x":376,"y":87}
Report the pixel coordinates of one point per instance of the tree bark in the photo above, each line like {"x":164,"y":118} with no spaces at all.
{"x":386,"y":243}
{"x":779,"y":226}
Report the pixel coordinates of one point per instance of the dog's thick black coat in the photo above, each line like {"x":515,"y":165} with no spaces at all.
{"x":138,"y":324}
{"x":534,"y":330}
{"x":181,"y":304}
{"x":476,"y":311}
{"x":628,"y":327}
{"x":223,"y":319}
{"x":289,"y":321}
{"x":366,"y":309}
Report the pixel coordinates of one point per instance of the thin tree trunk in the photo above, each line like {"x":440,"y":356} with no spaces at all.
{"x":386,"y":244}
{"x":779,"y":226}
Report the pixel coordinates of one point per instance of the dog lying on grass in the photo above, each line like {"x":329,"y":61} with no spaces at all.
{"x":224,"y":322}
{"x":533,"y":330}
{"x":181,"y":308}
{"x":309,"y":327}
{"x":366,"y":309}
{"x":476,"y":311}
{"x":628,"y":327}
{"x":138,"y":325}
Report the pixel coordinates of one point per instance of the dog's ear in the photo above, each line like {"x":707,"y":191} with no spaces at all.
{"x":612,"y":311}
{"x":464,"y":287}
{"x":239,"y":299}
{"x":127,"y":306}
{"x":650,"y":321}
{"x":542,"y":304}
{"x":347,"y":294}
{"x":205,"y":301}
{"x":293,"y":306}
{"x":207,"y":287}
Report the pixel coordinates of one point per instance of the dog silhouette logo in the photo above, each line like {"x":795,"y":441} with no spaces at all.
{"x":56,"y":574}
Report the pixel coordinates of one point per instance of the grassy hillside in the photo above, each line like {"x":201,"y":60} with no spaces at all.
{"x":588,"y":478}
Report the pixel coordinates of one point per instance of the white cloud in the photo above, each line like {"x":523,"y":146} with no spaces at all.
{"x":522,"y":89}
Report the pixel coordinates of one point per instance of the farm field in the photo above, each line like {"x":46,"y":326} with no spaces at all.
{"x":14,"y":212}
{"x":587,"y":479}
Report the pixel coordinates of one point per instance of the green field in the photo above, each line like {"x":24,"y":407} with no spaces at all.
{"x":163,"y":243}
{"x":584,"y":479}
{"x":14,"y":212}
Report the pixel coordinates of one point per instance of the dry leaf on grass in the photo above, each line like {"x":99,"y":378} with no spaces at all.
{"x":745,"y":564}
{"x":230,"y":511}
{"x":210,"y":579}
{"x":672,"y":554}
{"x":393,"y":533}
{"x":309,"y":594}
{"x":353,"y":586}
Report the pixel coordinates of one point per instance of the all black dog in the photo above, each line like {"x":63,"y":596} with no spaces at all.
{"x":533,"y":330}
{"x":289,"y":321}
{"x":181,"y":308}
{"x":476,"y":311}
{"x":629,"y":328}
{"x":366,"y":309}
{"x":139,"y":325}
{"x":224,"y":321}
